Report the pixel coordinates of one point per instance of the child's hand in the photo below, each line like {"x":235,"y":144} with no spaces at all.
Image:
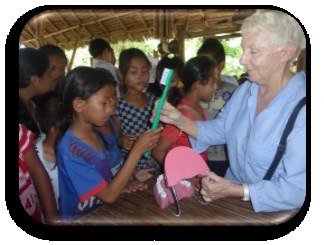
{"x":127,"y":141}
{"x":147,"y":141}
{"x":133,"y":186}
{"x":143,"y":174}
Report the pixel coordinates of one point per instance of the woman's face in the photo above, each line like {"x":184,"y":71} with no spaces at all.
{"x":57,"y":68}
{"x":260,"y":57}
{"x":45,"y":83}
{"x":137,"y":76}
{"x":100,"y":106}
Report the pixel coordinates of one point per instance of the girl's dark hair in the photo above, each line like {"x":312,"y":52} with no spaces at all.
{"x":31,"y":63}
{"x":50,"y":50}
{"x":175,"y":64}
{"x":97,"y":46}
{"x":215,"y":48}
{"x":196,"y":69}
{"x":126,"y":57}
{"x":81,"y":82}
{"x":46,"y":110}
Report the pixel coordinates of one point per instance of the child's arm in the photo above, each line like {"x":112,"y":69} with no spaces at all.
{"x":42,"y":184}
{"x":124,"y":141}
{"x":147,"y":141}
{"x":161,"y":150}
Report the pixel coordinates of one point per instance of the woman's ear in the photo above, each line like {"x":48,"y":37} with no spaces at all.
{"x":288,"y":52}
{"x":79,"y":104}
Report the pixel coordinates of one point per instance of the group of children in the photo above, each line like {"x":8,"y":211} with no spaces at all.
{"x":82,"y":137}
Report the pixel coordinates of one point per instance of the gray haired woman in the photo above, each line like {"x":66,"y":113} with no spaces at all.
{"x":253,"y":120}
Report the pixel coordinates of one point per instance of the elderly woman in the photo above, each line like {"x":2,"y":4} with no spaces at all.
{"x":253,"y":120}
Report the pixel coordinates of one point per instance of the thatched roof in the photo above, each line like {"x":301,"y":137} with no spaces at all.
{"x":62,"y":27}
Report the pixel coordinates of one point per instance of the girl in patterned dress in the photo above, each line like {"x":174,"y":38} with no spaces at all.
{"x":87,"y":100}
{"x":135,"y":106}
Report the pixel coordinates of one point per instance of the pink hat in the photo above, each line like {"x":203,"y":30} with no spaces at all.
{"x":183,"y":163}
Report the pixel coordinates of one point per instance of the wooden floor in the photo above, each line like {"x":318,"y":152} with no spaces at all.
{"x":140,"y":208}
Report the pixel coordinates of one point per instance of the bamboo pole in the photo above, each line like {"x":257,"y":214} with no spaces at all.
{"x":74,"y":49}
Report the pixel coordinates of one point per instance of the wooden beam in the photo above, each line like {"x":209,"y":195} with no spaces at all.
{"x":64,"y":21}
{"x":31,"y":31}
{"x":234,"y":35}
{"x":100,"y":24}
{"x":74,"y":49}
{"x":142,"y":19}
{"x":156,"y":23}
{"x":122,"y":24}
{"x":40,"y":26}
{"x":172,"y":24}
{"x":50,"y":22}
{"x":114,"y":15}
{"x":180,"y":36}
{"x":113,"y":35}
{"x":186,"y":22}
{"x":212,"y":32}
{"x":80,"y":23}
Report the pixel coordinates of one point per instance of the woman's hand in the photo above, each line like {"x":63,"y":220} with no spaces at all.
{"x":127,"y":140}
{"x":169,"y":114}
{"x":147,"y":141}
{"x":215,"y":187}
{"x":133,"y":186}
{"x":143,"y":174}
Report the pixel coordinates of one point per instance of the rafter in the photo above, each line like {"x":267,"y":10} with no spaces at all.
{"x":142,"y":19}
{"x":100,"y":24}
{"x":55,"y":27}
{"x":80,"y":22}
{"x":64,"y":21}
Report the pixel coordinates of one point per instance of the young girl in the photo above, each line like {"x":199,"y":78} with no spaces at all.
{"x":35,"y":190}
{"x":135,"y":106}
{"x":46,"y":114}
{"x":87,"y":98}
{"x":199,"y":85}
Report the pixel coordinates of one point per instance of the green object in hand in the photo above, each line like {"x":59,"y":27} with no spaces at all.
{"x":166,"y":80}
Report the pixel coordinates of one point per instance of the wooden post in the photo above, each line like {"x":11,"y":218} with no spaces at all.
{"x":180,"y":36}
{"x":74,"y":49}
